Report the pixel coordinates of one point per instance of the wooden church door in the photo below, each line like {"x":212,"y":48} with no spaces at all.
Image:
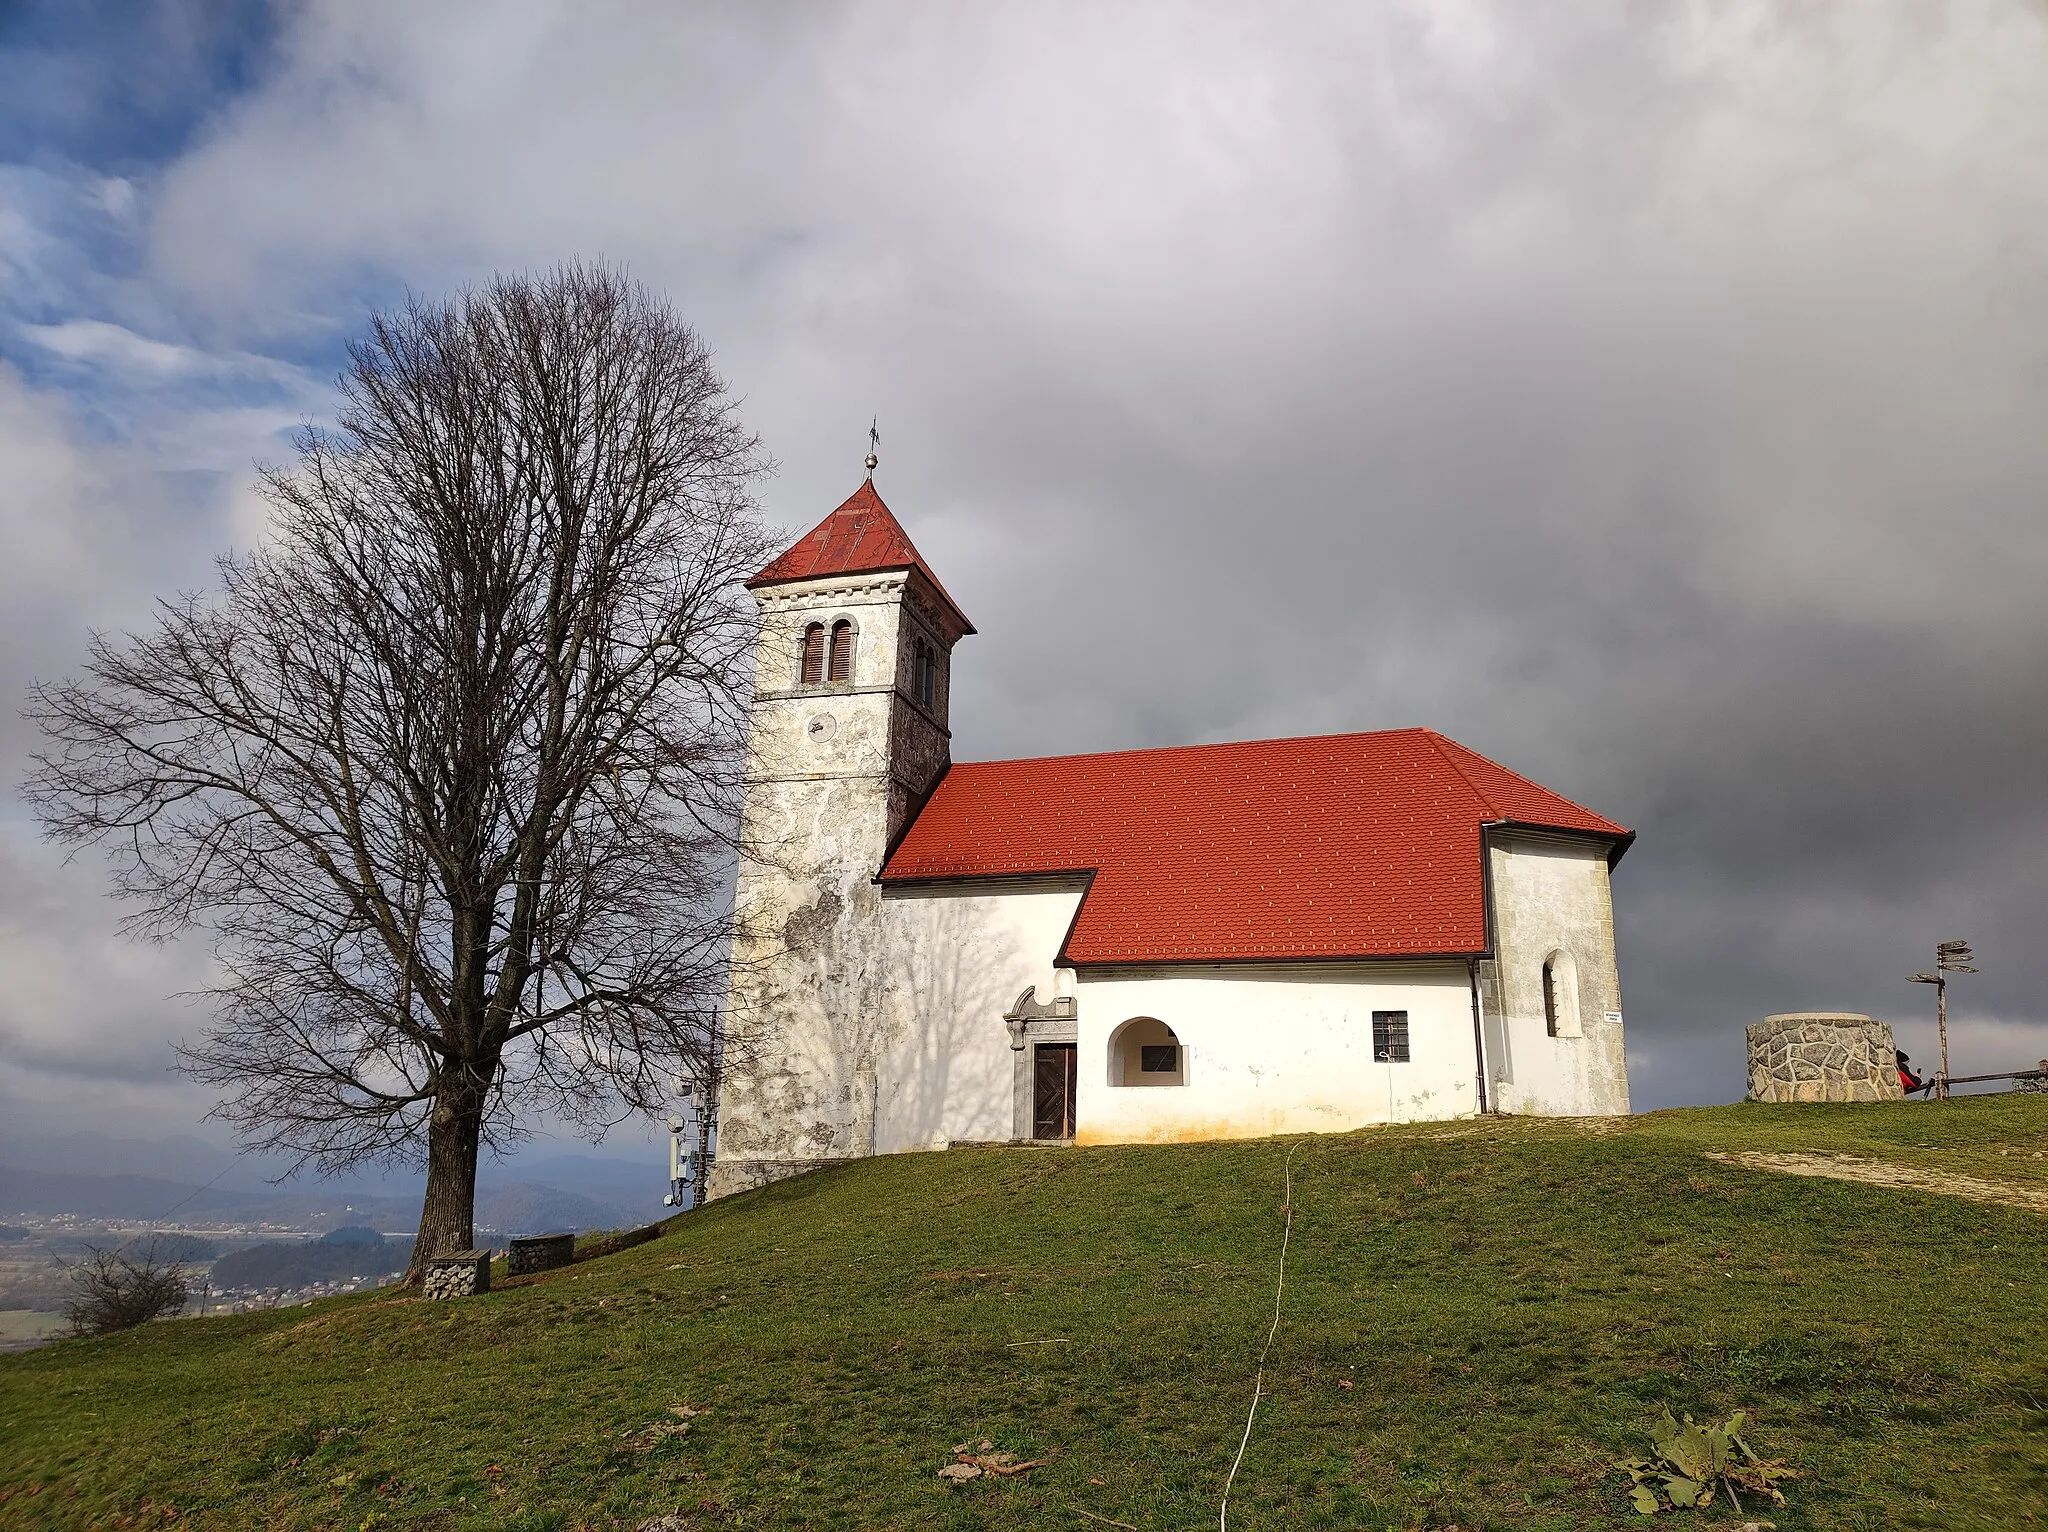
{"x":1055,"y":1072}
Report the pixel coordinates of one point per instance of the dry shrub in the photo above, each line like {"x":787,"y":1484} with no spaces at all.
{"x":118,"y":1290}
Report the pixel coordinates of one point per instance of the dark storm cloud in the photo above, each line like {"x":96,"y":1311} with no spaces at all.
{"x":1649,"y":399}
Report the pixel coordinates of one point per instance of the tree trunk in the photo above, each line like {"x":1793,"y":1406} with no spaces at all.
{"x":448,"y":1217}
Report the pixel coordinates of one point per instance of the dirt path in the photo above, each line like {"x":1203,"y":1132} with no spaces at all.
{"x":1847,"y":1167}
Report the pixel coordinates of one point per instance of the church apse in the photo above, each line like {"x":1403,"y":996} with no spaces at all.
{"x":1553,"y":992}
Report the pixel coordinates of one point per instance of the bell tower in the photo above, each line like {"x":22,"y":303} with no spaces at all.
{"x":848,"y":734}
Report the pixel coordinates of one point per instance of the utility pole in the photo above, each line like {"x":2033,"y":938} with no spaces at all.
{"x":1949,"y":957}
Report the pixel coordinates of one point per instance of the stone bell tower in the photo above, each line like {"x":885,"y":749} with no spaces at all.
{"x":848,"y":735}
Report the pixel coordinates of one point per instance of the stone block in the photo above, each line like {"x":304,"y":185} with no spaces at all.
{"x":539,"y":1252}
{"x":458,"y":1274}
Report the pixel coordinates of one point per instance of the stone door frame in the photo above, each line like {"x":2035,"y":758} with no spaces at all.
{"x":1033,"y":1021}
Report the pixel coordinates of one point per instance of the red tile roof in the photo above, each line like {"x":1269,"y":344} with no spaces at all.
{"x":861,"y":537}
{"x":1348,"y":845}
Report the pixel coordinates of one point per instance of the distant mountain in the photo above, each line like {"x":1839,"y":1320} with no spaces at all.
{"x":303,"y":1262}
{"x":180,"y":1157}
{"x":149,"y":1199}
{"x":113,"y":1196}
{"x":516,"y":1207}
{"x":630,"y":1189}
{"x":633,"y":1187}
{"x":185,"y":1158}
{"x":522,"y":1207}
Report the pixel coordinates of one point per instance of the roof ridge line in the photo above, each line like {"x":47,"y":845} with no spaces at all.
{"x":1214,"y":744}
{"x":1526,"y":781}
{"x":1437,"y":743}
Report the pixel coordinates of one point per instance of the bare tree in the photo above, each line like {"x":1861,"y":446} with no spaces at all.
{"x":450,"y":767}
{"x":120,"y":1289}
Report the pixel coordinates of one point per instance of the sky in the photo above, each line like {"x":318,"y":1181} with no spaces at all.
{"x":1648,"y":396}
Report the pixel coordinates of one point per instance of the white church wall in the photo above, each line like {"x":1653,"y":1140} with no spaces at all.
{"x":959,"y":958}
{"x":1551,"y":898}
{"x":867,"y":1021}
{"x":1277,"y":1050}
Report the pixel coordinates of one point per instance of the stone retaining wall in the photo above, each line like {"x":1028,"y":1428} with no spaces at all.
{"x":533,"y":1253}
{"x":1822,"y":1056}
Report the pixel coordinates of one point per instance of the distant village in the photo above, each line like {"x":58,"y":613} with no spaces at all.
{"x":232,"y":1267}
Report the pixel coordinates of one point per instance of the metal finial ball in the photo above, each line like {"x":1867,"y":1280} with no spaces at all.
{"x":873,"y":462}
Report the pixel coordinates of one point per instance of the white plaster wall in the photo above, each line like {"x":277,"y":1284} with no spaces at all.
{"x":799,"y":1078}
{"x":1550,"y":894}
{"x":1277,"y":1050}
{"x":959,"y":958}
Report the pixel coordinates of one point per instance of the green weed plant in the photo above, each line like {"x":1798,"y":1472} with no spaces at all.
{"x":1689,"y":1462}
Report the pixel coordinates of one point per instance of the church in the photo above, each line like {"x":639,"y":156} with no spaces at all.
{"x":1147,"y":946}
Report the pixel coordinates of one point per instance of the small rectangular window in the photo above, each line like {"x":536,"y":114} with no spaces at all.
{"x":923,"y":665}
{"x":1158,"y":1058}
{"x":1390,"y":1037}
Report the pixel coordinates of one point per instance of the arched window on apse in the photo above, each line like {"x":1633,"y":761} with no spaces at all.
{"x":1144,"y":1051}
{"x":811,"y":669}
{"x":1560,"y":995}
{"x":840,"y":667}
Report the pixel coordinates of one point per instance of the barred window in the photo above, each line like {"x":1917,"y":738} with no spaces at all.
{"x":1145,"y":1051}
{"x":1390,"y":1037}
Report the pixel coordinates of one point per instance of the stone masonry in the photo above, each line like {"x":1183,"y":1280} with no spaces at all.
{"x":1822,"y":1056}
{"x":533,"y":1253}
{"x":459,"y":1274}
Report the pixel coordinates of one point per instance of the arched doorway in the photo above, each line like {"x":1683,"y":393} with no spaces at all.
{"x":1146,"y":1051}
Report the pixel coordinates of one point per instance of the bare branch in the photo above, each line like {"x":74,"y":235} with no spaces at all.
{"x":450,"y":770}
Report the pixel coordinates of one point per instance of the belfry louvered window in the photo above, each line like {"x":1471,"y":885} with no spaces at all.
{"x":924,"y":672}
{"x":811,"y":672}
{"x":841,"y":666}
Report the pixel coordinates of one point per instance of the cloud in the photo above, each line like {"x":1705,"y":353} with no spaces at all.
{"x":129,"y":356}
{"x":1649,"y":398}
{"x":91,"y":531}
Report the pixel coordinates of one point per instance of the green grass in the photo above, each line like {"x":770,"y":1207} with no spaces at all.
{"x":1511,"y":1304}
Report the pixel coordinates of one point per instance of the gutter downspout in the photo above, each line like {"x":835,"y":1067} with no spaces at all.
{"x":1478,"y":1033}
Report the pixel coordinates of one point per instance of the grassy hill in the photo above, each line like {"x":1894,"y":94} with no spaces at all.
{"x":1479,"y":1318}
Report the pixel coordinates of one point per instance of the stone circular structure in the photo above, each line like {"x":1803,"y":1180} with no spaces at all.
{"x":1822,"y":1056}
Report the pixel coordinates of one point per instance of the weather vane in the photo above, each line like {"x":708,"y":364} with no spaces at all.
{"x":874,"y":441}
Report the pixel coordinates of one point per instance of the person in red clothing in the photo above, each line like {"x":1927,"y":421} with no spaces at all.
{"x":1908,"y":1081}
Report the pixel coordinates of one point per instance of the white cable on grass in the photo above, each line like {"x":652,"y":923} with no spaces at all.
{"x":1259,"y":1382}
